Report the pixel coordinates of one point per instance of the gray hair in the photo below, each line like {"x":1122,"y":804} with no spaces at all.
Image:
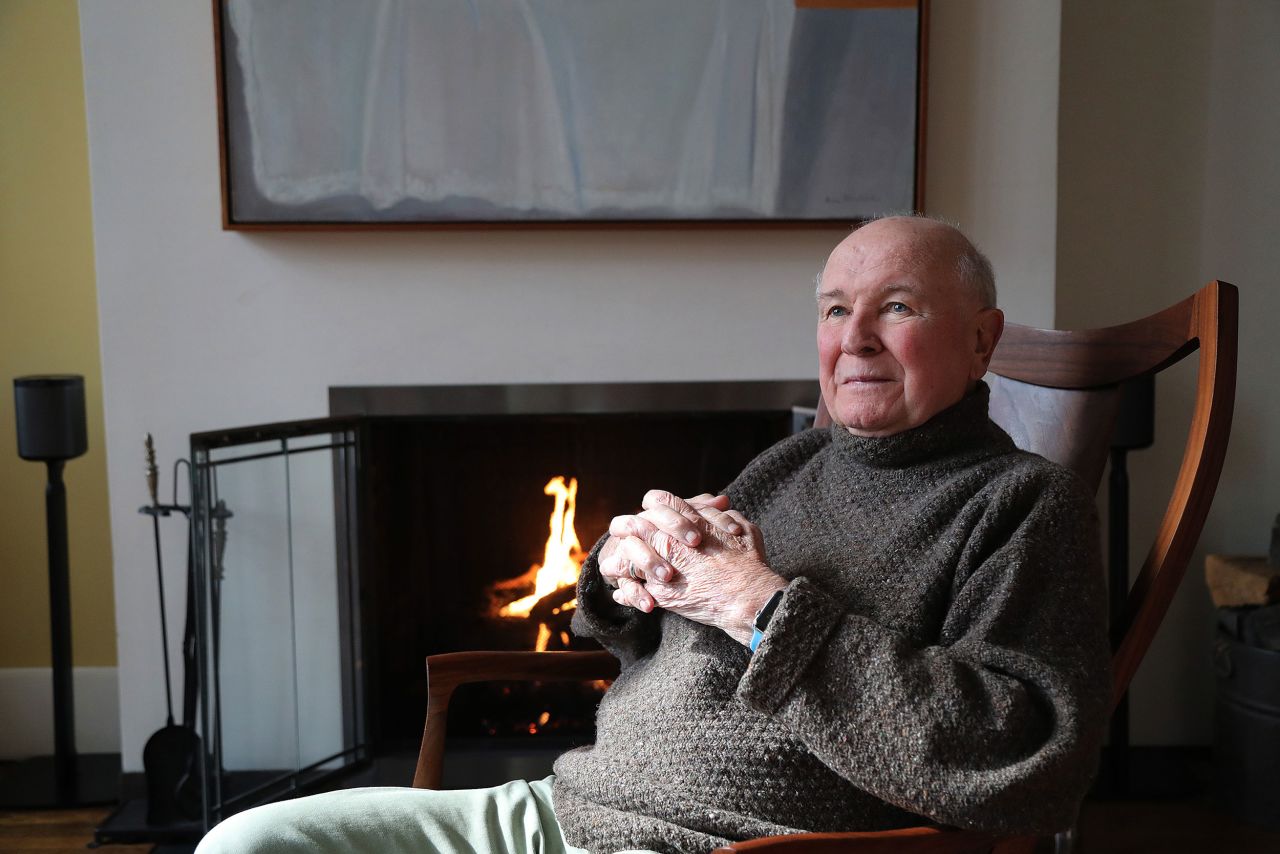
{"x":972,"y":267}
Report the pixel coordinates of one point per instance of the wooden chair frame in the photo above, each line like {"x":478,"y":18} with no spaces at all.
{"x":1071,"y":372}
{"x":1100,"y":359}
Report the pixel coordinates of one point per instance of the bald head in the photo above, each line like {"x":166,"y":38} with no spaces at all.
{"x":924,"y":243}
{"x":906,"y":324}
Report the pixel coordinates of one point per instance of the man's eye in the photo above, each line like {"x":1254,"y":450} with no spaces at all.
{"x":898,"y":308}
{"x":837,"y":311}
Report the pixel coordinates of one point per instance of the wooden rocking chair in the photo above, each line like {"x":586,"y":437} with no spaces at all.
{"x":1057,"y":393}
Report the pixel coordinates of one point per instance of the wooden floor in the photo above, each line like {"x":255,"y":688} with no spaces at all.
{"x":53,"y":831}
{"x":1186,"y":827}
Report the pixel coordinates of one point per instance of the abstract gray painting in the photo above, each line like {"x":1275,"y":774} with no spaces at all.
{"x":398,"y":111}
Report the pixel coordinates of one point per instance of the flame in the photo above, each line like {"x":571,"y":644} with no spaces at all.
{"x":561,"y":559}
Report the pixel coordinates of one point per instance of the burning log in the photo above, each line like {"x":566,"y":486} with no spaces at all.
{"x":554,"y":604}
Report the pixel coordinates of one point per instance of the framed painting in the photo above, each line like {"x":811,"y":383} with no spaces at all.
{"x":468,"y":113}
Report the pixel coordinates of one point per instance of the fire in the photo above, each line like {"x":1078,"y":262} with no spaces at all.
{"x":561,"y":560}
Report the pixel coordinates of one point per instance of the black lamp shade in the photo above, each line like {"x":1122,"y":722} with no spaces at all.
{"x":51,"y":419}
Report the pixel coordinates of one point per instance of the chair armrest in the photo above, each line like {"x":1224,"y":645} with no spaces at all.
{"x":447,"y":671}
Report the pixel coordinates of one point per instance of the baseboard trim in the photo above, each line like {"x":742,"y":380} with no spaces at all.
{"x":26,"y":707}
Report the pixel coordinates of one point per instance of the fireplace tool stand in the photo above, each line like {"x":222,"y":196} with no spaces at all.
{"x":172,"y":758}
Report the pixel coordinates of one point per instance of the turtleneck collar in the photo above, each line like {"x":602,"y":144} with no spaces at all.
{"x":962,"y":427}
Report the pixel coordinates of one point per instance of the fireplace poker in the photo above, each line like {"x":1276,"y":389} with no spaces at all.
{"x":155,"y":511}
{"x":220,"y":514}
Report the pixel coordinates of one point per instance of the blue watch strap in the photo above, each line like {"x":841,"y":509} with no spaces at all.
{"x":761,"y":622}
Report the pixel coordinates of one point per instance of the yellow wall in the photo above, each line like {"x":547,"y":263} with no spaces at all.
{"x":48,"y":324}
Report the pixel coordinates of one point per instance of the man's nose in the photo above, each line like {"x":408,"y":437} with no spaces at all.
{"x":861,"y":337}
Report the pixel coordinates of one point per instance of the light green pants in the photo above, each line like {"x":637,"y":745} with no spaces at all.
{"x":515,"y":818}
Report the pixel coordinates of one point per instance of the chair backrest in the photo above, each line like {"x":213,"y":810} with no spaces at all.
{"x":1057,"y":393}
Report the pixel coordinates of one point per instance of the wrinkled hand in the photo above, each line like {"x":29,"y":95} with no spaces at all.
{"x":667,"y":518}
{"x":721,"y":580}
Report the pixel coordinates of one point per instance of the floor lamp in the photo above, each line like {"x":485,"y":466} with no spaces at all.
{"x":51,"y":429}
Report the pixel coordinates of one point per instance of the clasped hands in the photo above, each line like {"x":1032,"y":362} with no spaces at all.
{"x":695,"y":557}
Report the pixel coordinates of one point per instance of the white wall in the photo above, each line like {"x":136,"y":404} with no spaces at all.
{"x":993,"y":140}
{"x":1169,"y":178}
{"x":204,"y":329}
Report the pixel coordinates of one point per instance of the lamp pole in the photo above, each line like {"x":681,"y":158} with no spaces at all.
{"x":64,"y":719}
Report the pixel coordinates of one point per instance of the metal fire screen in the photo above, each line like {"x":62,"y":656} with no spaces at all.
{"x":278,"y":623}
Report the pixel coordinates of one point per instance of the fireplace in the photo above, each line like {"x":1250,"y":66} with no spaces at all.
{"x":333,"y":555}
{"x":457,"y":492}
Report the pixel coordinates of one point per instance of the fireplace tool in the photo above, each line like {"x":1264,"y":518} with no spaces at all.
{"x":171,"y":755}
{"x":220,"y":514}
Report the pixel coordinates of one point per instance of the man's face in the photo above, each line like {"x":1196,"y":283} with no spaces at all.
{"x":900,"y":338}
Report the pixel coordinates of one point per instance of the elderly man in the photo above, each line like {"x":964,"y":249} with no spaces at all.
{"x":896,"y":619}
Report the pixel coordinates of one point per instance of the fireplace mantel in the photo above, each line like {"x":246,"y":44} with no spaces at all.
{"x":575,"y":398}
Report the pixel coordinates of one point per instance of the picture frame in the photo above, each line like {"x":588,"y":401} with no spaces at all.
{"x":454,"y":114}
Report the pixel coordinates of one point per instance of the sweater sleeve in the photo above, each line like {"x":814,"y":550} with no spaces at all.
{"x":994,"y":725}
{"x":627,"y":633}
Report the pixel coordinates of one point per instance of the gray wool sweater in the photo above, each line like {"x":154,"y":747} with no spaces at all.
{"x":940,"y":652}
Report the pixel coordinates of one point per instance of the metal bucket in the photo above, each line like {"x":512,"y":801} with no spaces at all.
{"x":1246,"y":741}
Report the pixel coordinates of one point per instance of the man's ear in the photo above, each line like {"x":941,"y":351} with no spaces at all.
{"x":990,"y":326}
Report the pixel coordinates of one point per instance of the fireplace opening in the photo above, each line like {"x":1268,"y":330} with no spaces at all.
{"x":458,"y":514}
{"x":459,"y":489}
